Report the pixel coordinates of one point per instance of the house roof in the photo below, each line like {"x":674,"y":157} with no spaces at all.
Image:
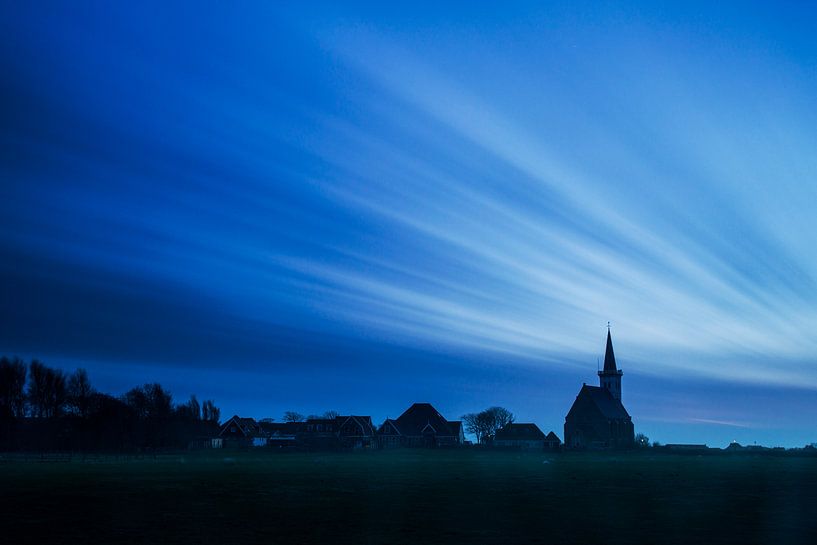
{"x":247,"y":426}
{"x":420,"y":417}
{"x":553,"y":437}
{"x":516,"y":431}
{"x":609,"y":407}
{"x":364,"y":423}
{"x":389,"y":425}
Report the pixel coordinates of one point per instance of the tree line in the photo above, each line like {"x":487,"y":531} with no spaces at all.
{"x":42,"y":408}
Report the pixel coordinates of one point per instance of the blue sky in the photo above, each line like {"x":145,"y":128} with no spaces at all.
{"x":357,"y":208}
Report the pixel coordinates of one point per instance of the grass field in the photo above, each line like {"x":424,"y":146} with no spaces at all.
{"x":412,"y":497}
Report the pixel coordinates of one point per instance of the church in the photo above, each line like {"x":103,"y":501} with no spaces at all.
{"x":597,"y":419}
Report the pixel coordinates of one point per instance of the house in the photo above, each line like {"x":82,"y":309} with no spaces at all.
{"x":521,"y":436}
{"x":351,"y":431}
{"x":597,"y":418}
{"x":317,"y":434}
{"x":280,"y":434}
{"x":552,"y":442}
{"x":356,"y":431}
{"x":421,"y":425}
{"x":238,"y":431}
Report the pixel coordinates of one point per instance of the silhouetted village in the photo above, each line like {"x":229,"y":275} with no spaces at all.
{"x":43,"y":409}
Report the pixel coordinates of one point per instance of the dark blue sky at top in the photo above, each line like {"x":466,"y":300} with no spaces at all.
{"x":356,"y":208}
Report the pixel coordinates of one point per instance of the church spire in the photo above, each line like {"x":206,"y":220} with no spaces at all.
{"x":609,"y":355}
{"x":610,"y":375}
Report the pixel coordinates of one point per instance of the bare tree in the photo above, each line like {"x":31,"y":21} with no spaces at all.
{"x":292,"y":416}
{"x":12,"y":387}
{"x":57,"y":392}
{"x":80,"y":392}
{"x":160,"y":400}
{"x":471,"y":422}
{"x":642,"y":441}
{"x":47,"y":391}
{"x":501,"y":417}
{"x":190,"y":410}
{"x":209,"y":411}
{"x":485,"y":424}
{"x":328,"y":415}
{"x":37,"y":389}
{"x":150,"y":401}
{"x":194,"y":408}
{"x":137,"y":400}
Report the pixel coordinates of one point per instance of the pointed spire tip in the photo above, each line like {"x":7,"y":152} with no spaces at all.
{"x":609,"y":355}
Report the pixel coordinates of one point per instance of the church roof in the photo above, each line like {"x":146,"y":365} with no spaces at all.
{"x":609,"y":356}
{"x":609,"y":407}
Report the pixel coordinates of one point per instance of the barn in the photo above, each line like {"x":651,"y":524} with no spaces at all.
{"x":521,"y":436}
{"x":421,"y":425}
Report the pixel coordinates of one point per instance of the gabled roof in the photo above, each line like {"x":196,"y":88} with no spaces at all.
{"x":515,"y":431}
{"x":418,"y":417}
{"x":609,"y":356}
{"x":553,"y":437}
{"x":247,"y":426}
{"x":389,"y":427}
{"x":609,"y":407}
{"x":363,"y":423}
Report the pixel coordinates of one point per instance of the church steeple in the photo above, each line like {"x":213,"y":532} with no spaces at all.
{"x":610,"y":377}
{"x":609,"y":355}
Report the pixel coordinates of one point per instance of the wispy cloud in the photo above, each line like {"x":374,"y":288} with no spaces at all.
{"x":731,"y":424}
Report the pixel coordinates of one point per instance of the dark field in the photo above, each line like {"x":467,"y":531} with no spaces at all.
{"x":412,"y":497}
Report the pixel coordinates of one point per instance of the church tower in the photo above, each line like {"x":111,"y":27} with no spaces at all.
{"x":610,"y":376}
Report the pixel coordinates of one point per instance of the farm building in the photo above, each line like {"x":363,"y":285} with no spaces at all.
{"x":421,"y":425}
{"x":523,"y":436}
{"x":349,"y":431}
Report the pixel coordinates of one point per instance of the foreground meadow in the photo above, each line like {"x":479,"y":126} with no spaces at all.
{"x":411,"y":496}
